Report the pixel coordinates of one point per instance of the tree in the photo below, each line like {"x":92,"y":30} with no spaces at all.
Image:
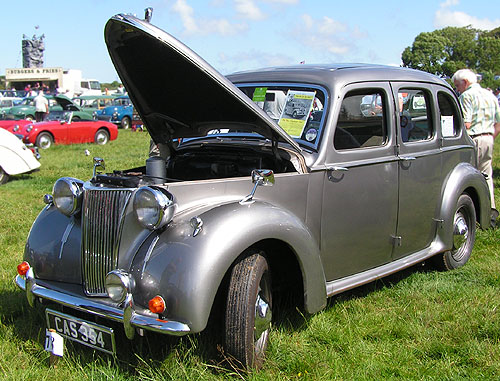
{"x":444,"y":51}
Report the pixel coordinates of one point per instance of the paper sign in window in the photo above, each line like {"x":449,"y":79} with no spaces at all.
{"x":447,"y":126}
{"x":297,"y":108}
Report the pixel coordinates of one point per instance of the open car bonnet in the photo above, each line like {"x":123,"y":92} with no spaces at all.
{"x":176,"y":93}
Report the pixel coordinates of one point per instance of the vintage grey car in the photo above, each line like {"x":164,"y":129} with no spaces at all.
{"x":248,"y":210}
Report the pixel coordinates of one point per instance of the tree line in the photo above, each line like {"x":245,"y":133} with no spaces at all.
{"x":444,"y":51}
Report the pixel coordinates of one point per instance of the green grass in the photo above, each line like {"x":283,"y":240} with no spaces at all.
{"x":418,"y":324}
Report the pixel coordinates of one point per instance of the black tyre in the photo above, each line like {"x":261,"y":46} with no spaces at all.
{"x":249,"y":311}
{"x":125,"y":123}
{"x":464,"y":235}
{"x":4,"y":176}
{"x":44,"y":140}
{"x":101,"y":137}
{"x":75,"y":119}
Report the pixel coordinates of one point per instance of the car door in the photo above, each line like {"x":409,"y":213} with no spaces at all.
{"x":360,"y":193}
{"x":419,"y":167}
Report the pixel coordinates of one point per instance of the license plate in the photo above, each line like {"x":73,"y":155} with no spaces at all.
{"x":84,"y":332}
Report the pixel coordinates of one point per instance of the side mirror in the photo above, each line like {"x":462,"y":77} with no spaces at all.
{"x":263,"y":177}
{"x":260,"y":177}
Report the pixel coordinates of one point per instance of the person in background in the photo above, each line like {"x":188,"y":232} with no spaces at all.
{"x":482,"y":120}
{"x":41,"y":107}
{"x":497,"y":94}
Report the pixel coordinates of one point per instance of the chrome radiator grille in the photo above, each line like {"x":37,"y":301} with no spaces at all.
{"x":101,"y":224}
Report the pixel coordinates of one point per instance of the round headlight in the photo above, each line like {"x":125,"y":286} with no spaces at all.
{"x":118,"y":284}
{"x":154,"y":207}
{"x":30,"y":127}
{"x":68,"y":194}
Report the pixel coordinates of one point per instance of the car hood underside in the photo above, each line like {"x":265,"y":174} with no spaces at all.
{"x":176,"y":93}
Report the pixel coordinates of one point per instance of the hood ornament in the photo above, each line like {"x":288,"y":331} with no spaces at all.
{"x":148,"y":14}
{"x":98,"y":163}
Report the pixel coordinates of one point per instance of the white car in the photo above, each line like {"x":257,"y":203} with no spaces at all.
{"x":15,"y":157}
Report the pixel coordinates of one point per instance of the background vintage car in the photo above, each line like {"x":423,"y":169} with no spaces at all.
{"x":93,"y":103}
{"x":120,"y":112}
{"x":62,"y":128}
{"x":15,"y":157}
{"x":247,"y":214}
{"x":26,"y":108}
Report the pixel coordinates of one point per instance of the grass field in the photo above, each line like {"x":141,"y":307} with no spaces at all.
{"x":419,"y":324}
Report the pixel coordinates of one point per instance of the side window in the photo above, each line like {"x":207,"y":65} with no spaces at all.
{"x":414,"y":115}
{"x":449,"y":115}
{"x":362,"y":121}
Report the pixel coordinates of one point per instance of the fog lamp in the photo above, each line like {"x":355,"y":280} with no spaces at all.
{"x":154,"y":207}
{"x":68,"y":194}
{"x":157,"y":305}
{"x":118,"y":284}
{"x":23,"y":268}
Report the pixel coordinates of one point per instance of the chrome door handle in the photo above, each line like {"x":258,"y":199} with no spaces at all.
{"x":407,"y":158}
{"x":337,"y":169}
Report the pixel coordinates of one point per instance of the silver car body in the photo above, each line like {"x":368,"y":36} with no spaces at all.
{"x":340,"y":217}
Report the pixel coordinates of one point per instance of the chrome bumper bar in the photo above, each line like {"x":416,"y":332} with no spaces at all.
{"x":128,"y":317}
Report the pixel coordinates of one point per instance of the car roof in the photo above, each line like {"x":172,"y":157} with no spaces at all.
{"x":342,"y":72}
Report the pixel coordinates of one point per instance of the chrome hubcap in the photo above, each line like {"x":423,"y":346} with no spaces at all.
{"x":44,"y":142}
{"x":263,"y":318}
{"x":101,"y":139}
{"x":460,"y":235}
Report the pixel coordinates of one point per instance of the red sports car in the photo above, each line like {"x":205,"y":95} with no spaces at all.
{"x":60,"y":129}
{"x":14,"y":125}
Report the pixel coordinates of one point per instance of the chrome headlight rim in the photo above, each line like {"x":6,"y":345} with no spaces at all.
{"x":162,"y":207}
{"x":67,"y":195}
{"x":119,"y":284}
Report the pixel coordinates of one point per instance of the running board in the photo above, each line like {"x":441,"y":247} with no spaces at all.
{"x":352,"y":281}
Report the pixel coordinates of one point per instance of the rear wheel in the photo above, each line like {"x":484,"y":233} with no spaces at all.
{"x":101,"y":137}
{"x":4,"y":176}
{"x":125,"y":123}
{"x":464,"y":235}
{"x":249,"y":311}
{"x":31,"y":118}
{"x":44,"y":140}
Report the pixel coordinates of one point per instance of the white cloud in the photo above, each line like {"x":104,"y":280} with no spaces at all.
{"x":326,"y":34}
{"x":444,"y":17}
{"x":248,"y":10}
{"x":186,"y":13}
{"x":194,"y":26}
{"x":252,"y":59}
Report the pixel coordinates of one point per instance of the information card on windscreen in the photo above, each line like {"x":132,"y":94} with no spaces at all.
{"x":297,"y":108}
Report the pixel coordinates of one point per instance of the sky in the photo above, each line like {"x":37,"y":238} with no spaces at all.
{"x":234,"y":35}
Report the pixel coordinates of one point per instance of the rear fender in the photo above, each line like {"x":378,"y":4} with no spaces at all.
{"x":464,"y":178}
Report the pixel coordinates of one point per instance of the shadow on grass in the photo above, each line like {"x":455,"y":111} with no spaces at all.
{"x":151,"y":353}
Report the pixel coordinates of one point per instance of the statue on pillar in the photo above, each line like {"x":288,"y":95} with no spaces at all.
{"x":33,"y":51}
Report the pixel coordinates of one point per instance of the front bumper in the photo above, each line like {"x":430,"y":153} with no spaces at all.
{"x":128,"y":317}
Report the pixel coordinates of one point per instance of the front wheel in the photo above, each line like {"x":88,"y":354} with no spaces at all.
{"x":101,"y":137}
{"x":44,"y":140}
{"x":125,"y":123}
{"x":464,"y":235}
{"x":249,"y":311}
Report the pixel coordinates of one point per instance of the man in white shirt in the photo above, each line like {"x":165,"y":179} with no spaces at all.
{"x":41,"y":107}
